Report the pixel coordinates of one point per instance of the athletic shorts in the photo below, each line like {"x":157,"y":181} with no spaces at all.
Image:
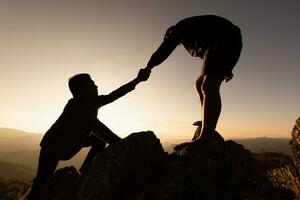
{"x":222,"y":55}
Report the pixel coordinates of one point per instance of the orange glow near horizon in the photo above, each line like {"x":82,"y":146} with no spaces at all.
{"x":43,"y":43}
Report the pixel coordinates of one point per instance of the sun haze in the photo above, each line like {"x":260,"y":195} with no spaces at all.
{"x":44,"y":43}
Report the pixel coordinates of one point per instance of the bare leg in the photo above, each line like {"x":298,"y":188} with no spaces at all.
{"x":198,"y":86}
{"x":207,"y":87}
{"x":211,"y":104}
{"x":197,"y":134}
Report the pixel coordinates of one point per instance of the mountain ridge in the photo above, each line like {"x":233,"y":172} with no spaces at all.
{"x":16,"y":171}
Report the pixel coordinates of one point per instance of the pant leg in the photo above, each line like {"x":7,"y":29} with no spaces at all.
{"x":97,"y":147}
{"x":46,"y":168}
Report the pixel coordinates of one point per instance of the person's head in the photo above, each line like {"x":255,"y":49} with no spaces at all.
{"x":81,"y":85}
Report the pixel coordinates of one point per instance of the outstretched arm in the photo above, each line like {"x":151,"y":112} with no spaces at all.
{"x":143,"y":75}
{"x":171,"y":40}
{"x":161,"y":54}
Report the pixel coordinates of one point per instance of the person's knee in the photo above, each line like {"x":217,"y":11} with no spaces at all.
{"x":211,"y":84}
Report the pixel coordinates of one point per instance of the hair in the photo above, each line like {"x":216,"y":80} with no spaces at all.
{"x":76,"y":81}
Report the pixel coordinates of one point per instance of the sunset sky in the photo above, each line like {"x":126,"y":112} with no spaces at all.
{"x":43,"y":43}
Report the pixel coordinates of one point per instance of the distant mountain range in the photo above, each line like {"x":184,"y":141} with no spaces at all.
{"x":25,"y":157}
{"x":255,"y":145}
{"x":23,"y":148}
{"x":14,"y":140}
{"x":19,"y":149}
{"x":16,"y":171}
{"x":265,"y":144}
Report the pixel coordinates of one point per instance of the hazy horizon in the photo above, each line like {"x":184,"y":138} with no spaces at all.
{"x":19,"y":151}
{"x":165,"y":139}
{"x":46,"y":42}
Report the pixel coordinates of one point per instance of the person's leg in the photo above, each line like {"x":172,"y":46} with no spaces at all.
{"x":215,"y":67}
{"x":198,"y":86}
{"x":46,"y":168}
{"x":97,"y":147}
{"x":211,"y":104}
{"x":210,"y":99}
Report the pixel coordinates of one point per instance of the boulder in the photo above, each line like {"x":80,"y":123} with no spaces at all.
{"x":138,"y":169}
{"x":62,"y":186}
{"x":283,"y":171}
{"x":216,"y":169}
{"x":294,"y":145}
{"x":123,"y":170}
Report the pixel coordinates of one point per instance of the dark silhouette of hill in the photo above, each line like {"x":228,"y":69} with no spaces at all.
{"x":16,"y":171}
{"x":23,"y":148}
{"x":24,"y":157}
{"x":12,"y":189}
{"x":13,"y":133}
{"x":255,"y":145}
{"x":14,"y":140}
{"x":138,"y":168}
{"x":30,"y":158}
{"x":265,"y":144}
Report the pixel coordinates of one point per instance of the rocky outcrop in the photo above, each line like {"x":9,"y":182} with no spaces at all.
{"x":283,"y":171}
{"x":279,"y":170}
{"x":125,"y":170}
{"x":216,"y":169}
{"x":12,"y":189}
{"x":294,"y":145}
{"x":62,"y":186}
{"x":139,"y":169}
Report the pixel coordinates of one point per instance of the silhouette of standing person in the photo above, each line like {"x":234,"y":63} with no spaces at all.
{"x":218,"y":42}
{"x":78,"y":126}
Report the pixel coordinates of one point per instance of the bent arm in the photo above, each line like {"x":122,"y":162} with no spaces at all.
{"x":103,"y":132}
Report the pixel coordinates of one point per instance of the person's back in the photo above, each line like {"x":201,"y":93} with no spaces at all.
{"x":198,"y":33}
{"x":205,"y":26}
{"x":70,"y":131}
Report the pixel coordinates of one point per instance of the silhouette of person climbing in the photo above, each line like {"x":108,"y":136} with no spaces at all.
{"x":78,"y":126}
{"x":219,"y":43}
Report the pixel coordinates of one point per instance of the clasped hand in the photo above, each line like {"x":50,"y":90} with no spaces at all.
{"x":144,"y":74}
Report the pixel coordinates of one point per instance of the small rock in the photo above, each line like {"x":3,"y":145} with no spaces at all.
{"x":123,"y":170}
{"x":62,"y":186}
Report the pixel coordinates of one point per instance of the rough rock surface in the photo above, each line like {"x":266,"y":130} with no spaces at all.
{"x":122,"y":171}
{"x":279,"y":170}
{"x":283,"y":171}
{"x":62,"y":186}
{"x":217,"y":169}
{"x":294,"y":145}
{"x":139,"y":169}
